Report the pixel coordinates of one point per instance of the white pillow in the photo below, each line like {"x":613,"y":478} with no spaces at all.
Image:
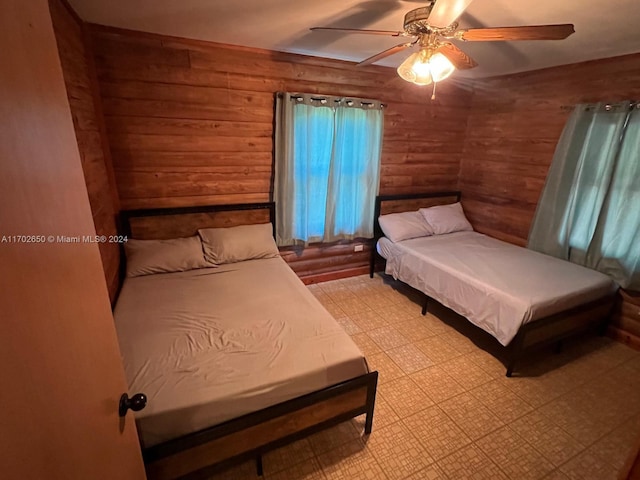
{"x":403,"y":226}
{"x":446,"y":218}
{"x":145,"y":257}
{"x":235,"y":244}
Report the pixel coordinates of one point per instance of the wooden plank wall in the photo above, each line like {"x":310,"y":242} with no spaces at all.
{"x":191,"y":123}
{"x":514,"y":125}
{"x":83,"y":96}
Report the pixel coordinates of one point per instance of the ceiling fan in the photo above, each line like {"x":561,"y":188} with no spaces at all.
{"x":432,"y":26}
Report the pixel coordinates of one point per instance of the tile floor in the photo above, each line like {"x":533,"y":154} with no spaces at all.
{"x":445,"y":410}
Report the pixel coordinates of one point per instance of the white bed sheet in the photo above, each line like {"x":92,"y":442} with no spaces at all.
{"x":495,"y":285}
{"x":213,"y":344}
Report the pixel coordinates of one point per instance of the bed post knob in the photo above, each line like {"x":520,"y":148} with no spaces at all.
{"x":135,"y":403}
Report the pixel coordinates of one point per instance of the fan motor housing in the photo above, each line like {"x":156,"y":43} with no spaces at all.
{"x":415,"y":21}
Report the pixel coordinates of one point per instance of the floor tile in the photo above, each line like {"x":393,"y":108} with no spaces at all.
{"x":284,"y":457}
{"x":387,"y":337}
{"x":348,"y":325}
{"x":556,"y":475}
{"x":437,"y":383}
{"x":442,"y":393}
{"x":409,"y":358}
{"x":547,"y":438}
{"x":404,"y":397}
{"x":398,"y":452}
{"x":334,"y":309}
{"x":580,"y":426}
{"x":516,"y":457}
{"x":395,"y":314}
{"x":387,"y":369}
{"x":587,"y":466}
{"x":432,"y":472}
{"x":333,"y":437}
{"x":368,"y":320}
{"x":458,"y":341}
{"x":437,"y":350}
{"x":353,"y":306}
{"x":377,"y":300}
{"x":532,"y":390}
{"x":466,"y":373}
{"x":383,"y":415}
{"x":415,"y":329}
{"x":366,"y":344}
{"x":616,"y":446}
{"x":503,"y":403}
{"x":435,"y":324}
{"x":489,"y":363}
{"x":471,"y":416}
{"x":352,"y":461}
{"x":308,"y":469}
{"x":437,"y":432}
{"x":470,"y":463}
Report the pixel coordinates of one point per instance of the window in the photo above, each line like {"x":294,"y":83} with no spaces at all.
{"x":327,"y":167}
{"x":589,"y":211}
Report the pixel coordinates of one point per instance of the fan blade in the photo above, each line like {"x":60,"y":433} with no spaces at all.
{"x":532,"y":32}
{"x":460,"y":60}
{"x":359,"y":30}
{"x":386,"y":53}
{"x":445,"y":12}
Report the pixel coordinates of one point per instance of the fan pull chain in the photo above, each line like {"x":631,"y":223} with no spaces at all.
{"x":433,"y":94}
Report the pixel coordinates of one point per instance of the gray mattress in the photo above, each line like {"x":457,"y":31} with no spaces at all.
{"x":495,"y":285}
{"x":213,"y":344}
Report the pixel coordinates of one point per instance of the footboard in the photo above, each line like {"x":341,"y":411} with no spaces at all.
{"x":556,"y":327}
{"x":250,"y":436}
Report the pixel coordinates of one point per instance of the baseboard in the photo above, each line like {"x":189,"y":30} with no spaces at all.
{"x":623,"y":336}
{"x":328,"y":276}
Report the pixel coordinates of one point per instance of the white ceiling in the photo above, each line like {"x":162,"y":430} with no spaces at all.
{"x":603,"y":29}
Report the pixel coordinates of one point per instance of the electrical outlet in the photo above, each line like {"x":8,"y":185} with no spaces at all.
{"x":358,"y":248}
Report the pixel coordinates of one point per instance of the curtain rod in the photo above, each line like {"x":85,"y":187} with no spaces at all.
{"x":348,"y":100}
{"x":608,"y":106}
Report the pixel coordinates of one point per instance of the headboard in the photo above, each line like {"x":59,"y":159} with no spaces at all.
{"x":386,"y":204}
{"x":164,"y":223}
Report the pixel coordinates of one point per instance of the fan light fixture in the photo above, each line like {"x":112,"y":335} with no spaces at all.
{"x":425,"y":67}
{"x":431,"y":26}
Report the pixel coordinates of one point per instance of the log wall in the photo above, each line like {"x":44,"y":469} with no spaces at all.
{"x":191,"y":123}
{"x":82,"y":92}
{"x":513,"y":127}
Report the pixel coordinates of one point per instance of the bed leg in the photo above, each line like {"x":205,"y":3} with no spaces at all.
{"x":372,"y":261}
{"x":259,"y":470}
{"x":516,"y":350}
{"x":425,"y":305}
{"x":371,"y":403}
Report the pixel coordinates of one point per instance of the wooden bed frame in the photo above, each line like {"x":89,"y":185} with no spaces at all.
{"x":545,"y":331}
{"x":199,"y":454}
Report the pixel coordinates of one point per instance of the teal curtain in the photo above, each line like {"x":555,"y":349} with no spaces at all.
{"x":589,"y":210}
{"x":327,"y":167}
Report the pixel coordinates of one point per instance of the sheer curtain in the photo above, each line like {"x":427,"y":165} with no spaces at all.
{"x":327,"y":168}
{"x":589,"y":210}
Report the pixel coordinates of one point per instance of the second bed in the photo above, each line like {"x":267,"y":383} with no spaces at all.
{"x":519,"y":296}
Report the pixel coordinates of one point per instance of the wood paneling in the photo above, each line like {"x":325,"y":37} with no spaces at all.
{"x":80,"y":82}
{"x":513,"y":127}
{"x":191,"y":123}
{"x":186,"y":225}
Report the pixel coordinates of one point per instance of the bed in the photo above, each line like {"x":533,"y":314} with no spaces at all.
{"x":521,"y":297}
{"x":236,"y":359}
